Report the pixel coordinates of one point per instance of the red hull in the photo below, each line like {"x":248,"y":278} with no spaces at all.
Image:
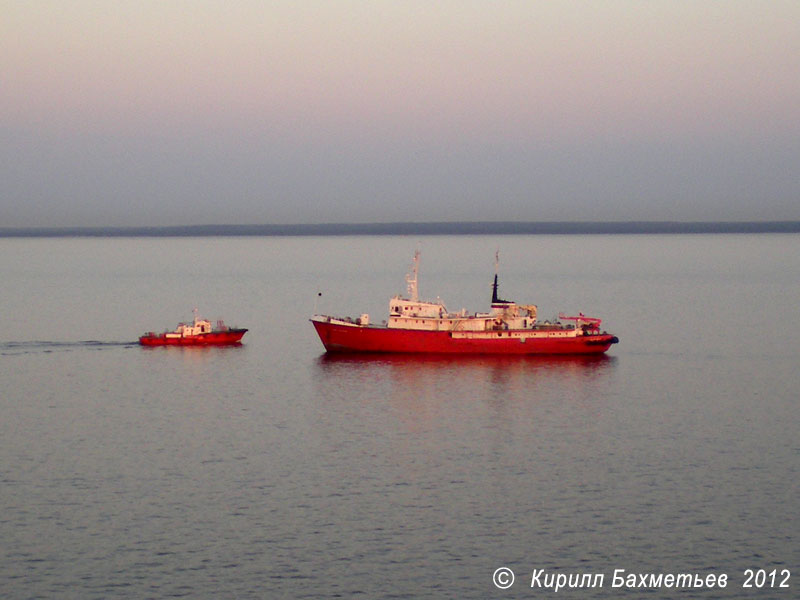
{"x":215,"y":338}
{"x":356,"y":338}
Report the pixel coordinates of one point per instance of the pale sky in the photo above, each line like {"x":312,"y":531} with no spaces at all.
{"x":149,"y":112}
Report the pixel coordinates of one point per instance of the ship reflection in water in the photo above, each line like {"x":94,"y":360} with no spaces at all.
{"x":438,"y":362}
{"x":436,"y":377}
{"x":192,"y":356}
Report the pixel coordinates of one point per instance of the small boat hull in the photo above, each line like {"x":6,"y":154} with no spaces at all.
{"x":338,"y":337}
{"x":214,"y":338}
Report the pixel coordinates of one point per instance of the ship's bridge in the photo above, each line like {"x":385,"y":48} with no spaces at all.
{"x":403,"y":307}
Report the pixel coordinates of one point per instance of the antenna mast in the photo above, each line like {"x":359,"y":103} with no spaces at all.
{"x":495,"y":298}
{"x":411,"y":279}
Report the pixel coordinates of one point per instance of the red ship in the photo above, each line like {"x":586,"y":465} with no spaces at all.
{"x":416,"y":326}
{"x":197,"y":333}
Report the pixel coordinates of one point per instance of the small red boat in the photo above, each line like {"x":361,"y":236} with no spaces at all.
{"x":197,"y":333}
{"x":417,"y":326}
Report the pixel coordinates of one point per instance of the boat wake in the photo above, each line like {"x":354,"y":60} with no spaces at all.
{"x":40,"y":346}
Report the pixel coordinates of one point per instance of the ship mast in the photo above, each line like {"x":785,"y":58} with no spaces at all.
{"x":495,"y":298}
{"x":411,"y":279}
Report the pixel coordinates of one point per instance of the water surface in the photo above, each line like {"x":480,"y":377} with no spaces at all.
{"x":272,"y":470}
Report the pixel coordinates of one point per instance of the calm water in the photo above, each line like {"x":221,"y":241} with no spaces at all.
{"x":273,"y":471}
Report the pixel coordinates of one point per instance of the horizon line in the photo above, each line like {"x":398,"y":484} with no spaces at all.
{"x":413,"y":228}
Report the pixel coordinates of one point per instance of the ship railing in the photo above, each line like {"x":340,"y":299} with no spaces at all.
{"x":343,"y":320}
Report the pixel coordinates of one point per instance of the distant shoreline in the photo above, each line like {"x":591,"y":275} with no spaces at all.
{"x":429,"y":228}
